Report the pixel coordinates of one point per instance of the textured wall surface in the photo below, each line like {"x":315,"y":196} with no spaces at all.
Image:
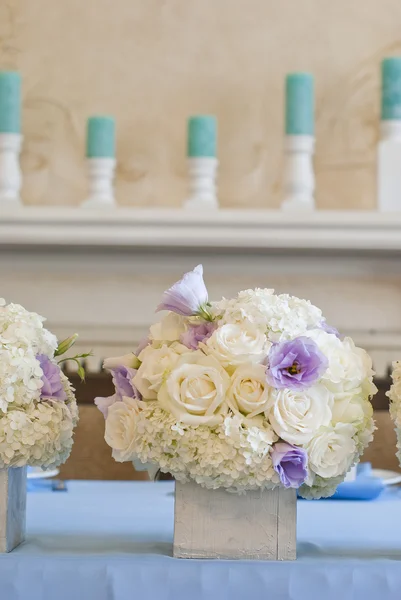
{"x":152,"y":63}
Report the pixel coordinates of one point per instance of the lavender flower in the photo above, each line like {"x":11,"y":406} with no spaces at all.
{"x":296,"y":364}
{"x":290,"y":462}
{"x":329,"y":329}
{"x":197,"y":333}
{"x":52,"y":384}
{"x":188,"y":297}
{"x":122,"y":379}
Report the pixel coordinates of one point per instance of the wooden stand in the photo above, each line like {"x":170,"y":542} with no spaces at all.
{"x":217,"y":524}
{"x":12,"y":508}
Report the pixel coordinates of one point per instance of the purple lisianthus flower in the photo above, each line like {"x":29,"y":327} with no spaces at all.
{"x":290,"y":462}
{"x":296,"y":364}
{"x":52,"y":384}
{"x":188,"y":296}
{"x":122,"y":379}
{"x":197,"y":333}
{"x":329,"y":329}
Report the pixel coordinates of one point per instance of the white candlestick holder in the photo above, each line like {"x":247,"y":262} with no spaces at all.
{"x":299,"y":176}
{"x":101,"y":175}
{"x":202,"y":183}
{"x":10,"y":171}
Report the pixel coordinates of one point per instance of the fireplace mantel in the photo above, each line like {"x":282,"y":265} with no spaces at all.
{"x":179,"y":229}
{"x":102,"y":273}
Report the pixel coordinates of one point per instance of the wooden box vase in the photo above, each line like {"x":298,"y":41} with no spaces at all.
{"x":12,"y":508}
{"x":218,"y":524}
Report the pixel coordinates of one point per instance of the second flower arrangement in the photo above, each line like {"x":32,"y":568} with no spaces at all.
{"x":245,"y":393}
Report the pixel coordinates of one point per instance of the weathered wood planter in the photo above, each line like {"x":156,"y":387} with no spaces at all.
{"x":12,"y":508}
{"x":217,"y":524}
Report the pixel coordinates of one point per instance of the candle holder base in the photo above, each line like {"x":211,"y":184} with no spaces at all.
{"x":10,"y":171}
{"x":202,"y":184}
{"x":101,"y":174}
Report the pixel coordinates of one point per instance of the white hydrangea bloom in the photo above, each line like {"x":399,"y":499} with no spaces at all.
{"x":281,"y":317}
{"x":395,"y":403}
{"x":33,"y":431}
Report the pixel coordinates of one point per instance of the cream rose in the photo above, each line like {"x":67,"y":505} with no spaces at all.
{"x":332,"y":451}
{"x":249,"y":392}
{"x":156,"y":364}
{"x":351,"y":409}
{"x":195,"y":391}
{"x":169,"y":329}
{"x":234,"y":344}
{"x":296,"y":416}
{"x":120,"y":428}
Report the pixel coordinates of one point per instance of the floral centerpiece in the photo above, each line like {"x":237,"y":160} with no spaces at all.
{"x":395,"y":403}
{"x":38,"y":410}
{"x":248,"y":393}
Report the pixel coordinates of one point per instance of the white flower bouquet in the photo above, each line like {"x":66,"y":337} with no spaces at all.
{"x":38,"y":410}
{"x":395,"y":403}
{"x":247,"y":393}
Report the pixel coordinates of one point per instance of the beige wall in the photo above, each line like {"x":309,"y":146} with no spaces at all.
{"x":151,"y":63}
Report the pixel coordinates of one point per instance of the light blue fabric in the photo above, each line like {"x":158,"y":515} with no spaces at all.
{"x":113,"y":541}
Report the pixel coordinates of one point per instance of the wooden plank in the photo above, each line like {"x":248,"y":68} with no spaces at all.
{"x":12,"y":508}
{"x":217,"y":524}
{"x":287,"y":525}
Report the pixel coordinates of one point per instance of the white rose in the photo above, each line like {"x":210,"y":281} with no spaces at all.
{"x":296,"y":416}
{"x":235,"y":344}
{"x":195,"y":391}
{"x":351,"y":409}
{"x":128,"y":360}
{"x":120,"y":428}
{"x":332,"y":451}
{"x":169,"y":329}
{"x":249,"y":392}
{"x":156,"y":364}
{"x":350,"y":368}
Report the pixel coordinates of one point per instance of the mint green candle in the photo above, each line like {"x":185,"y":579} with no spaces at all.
{"x":391,"y":89}
{"x":101,"y":137}
{"x":202,"y":136}
{"x":299,"y":104}
{"x":10,"y":102}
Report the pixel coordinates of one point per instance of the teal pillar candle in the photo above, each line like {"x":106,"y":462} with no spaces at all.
{"x":10,"y":102}
{"x":101,"y":137}
{"x":299,"y":104}
{"x":391,"y":88}
{"x":202,"y":136}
